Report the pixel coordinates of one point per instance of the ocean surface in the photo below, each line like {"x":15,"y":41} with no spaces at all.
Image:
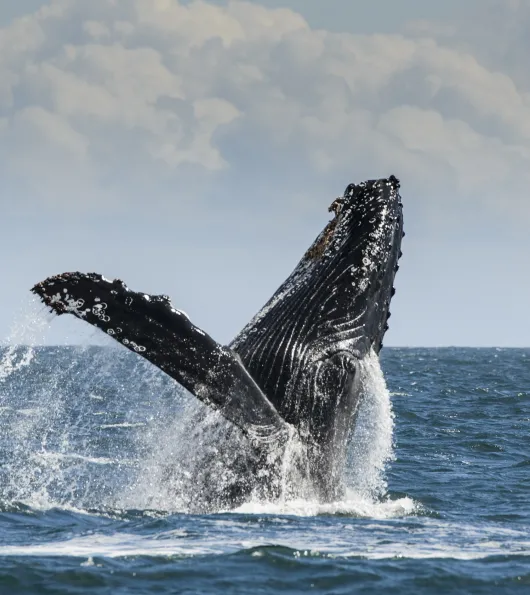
{"x":97,"y":452}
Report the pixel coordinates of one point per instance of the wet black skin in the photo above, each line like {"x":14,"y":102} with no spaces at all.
{"x":304,"y":349}
{"x":296,"y":364}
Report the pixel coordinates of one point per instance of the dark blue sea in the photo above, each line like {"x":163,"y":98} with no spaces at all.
{"x":98,"y":452}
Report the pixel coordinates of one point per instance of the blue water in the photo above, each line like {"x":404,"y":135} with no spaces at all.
{"x":96,"y":451}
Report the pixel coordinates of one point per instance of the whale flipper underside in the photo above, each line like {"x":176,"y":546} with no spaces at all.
{"x":151,"y":327}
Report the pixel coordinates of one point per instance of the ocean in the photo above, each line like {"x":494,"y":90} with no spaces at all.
{"x":98,"y":484}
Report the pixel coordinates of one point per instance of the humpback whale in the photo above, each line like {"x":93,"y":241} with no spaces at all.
{"x":294,"y":369}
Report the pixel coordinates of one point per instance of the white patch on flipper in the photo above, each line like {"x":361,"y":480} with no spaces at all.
{"x":70,"y":305}
{"x":134,"y":346}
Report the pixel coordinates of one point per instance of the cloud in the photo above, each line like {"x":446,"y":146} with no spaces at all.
{"x":497,"y":37}
{"x":120,"y":97}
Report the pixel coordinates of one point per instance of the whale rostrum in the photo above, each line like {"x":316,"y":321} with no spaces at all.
{"x":294,"y":368}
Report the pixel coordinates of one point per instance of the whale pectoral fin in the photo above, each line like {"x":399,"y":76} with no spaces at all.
{"x":153,"y":328}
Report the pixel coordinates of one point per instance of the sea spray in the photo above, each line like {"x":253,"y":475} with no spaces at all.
{"x":370,"y":449}
{"x":74,"y":417}
{"x":50,"y":435}
{"x":371,"y":443}
{"x":26,"y":331}
{"x":97,"y":427}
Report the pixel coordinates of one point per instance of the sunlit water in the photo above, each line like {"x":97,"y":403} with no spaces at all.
{"x":100,"y":455}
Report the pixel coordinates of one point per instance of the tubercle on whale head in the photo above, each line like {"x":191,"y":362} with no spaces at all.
{"x":362,"y":246}
{"x":355,"y":198}
{"x":384,"y":248}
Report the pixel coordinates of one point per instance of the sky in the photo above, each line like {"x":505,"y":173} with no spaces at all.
{"x":192,"y":148}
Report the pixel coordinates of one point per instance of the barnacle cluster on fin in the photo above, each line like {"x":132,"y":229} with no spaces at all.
{"x":56,"y":301}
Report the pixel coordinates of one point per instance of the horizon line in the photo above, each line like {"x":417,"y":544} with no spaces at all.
{"x":385,"y":348}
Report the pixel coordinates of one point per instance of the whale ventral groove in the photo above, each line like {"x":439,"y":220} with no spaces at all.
{"x":293,"y":370}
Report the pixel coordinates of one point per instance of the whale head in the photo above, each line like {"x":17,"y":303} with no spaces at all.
{"x":352,"y":265}
{"x":338,"y":297}
{"x":305,"y":346}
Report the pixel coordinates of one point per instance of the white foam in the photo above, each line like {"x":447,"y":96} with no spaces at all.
{"x":433,"y":540}
{"x":123,"y":425}
{"x":113,"y":546}
{"x":353,"y":505}
{"x":29,"y":411}
{"x":59,"y":456}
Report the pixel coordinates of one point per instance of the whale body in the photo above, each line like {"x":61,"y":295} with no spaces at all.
{"x":294,"y":370}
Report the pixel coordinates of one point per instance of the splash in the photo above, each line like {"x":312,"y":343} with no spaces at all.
{"x":171,"y":476}
{"x":69,"y":434}
{"x":27,"y":330}
{"x":99,"y":428}
{"x":370,"y":451}
{"x":371,"y":444}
